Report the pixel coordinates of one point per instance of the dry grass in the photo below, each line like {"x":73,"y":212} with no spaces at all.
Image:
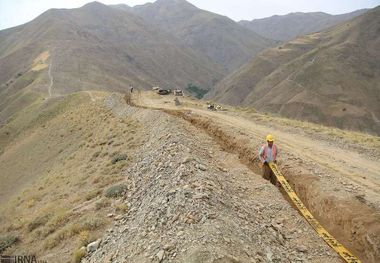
{"x":78,"y":255}
{"x":84,"y":238}
{"x":121,"y":208}
{"x":366,"y":141}
{"x":57,"y":166}
{"x":78,"y":229}
{"x":102,"y":203}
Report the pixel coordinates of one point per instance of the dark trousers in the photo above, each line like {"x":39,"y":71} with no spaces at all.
{"x":269,"y":175}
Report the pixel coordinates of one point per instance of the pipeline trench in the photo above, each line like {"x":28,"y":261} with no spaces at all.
{"x":351,"y":222}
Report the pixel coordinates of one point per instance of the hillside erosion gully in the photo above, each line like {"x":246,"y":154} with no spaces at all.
{"x":350,"y":221}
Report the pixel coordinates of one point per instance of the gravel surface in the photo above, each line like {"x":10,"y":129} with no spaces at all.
{"x":190,"y":201}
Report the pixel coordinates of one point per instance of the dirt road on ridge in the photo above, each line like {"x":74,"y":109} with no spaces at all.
{"x":340,"y":187}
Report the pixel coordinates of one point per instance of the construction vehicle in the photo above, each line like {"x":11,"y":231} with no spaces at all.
{"x":211,"y":107}
{"x":164,"y":91}
{"x":178,"y":92}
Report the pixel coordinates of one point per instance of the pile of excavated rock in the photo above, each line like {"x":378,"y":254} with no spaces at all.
{"x":189,"y":201}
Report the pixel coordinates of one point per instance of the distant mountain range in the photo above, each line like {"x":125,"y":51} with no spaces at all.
{"x":173,"y":44}
{"x":100,"y":47}
{"x":169,"y":43}
{"x":287,"y":27}
{"x":331,"y":77}
{"x":219,"y":38}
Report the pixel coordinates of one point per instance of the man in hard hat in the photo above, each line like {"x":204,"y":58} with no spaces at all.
{"x":267,"y":154}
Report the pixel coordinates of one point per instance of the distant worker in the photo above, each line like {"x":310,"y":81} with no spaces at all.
{"x":267,"y":154}
{"x":131,"y":88}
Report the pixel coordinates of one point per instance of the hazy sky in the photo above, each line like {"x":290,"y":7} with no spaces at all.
{"x":16,"y":12}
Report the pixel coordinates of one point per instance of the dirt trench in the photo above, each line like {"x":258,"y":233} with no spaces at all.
{"x":353,"y":223}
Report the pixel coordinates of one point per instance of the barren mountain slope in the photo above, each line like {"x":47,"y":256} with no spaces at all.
{"x":330,"y":77}
{"x":287,"y":27}
{"x":219,"y":38}
{"x":95,"y":47}
{"x":59,"y":160}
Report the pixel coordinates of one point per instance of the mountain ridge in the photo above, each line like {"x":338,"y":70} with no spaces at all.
{"x":218,"y":37}
{"x":289,"y":26}
{"x":96,"y":47}
{"x":329,"y":77}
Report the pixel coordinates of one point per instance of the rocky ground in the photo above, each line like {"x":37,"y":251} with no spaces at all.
{"x":339,"y":184}
{"x":190,"y":201}
{"x":166,"y":182}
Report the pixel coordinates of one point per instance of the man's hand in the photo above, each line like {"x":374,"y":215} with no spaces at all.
{"x":265,"y":163}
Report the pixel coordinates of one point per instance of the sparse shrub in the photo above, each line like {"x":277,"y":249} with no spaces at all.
{"x":114,"y":153}
{"x":92,"y":223}
{"x":91,"y":171}
{"x":115,"y":191}
{"x":83,"y":237}
{"x":95,"y":155}
{"x":118,"y":158}
{"x":97,"y":180}
{"x":197,"y":91}
{"x":7,"y":241}
{"x":70,"y":230}
{"x":121,"y":208}
{"x":103,"y":143}
{"x":37,"y":222}
{"x":54,"y":240}
{"x":106,"y":171}
{"x":56,"y":222}
{"x":93,"y":194}
{"x":108,"y":180}
{"x":127,"y":98}
{"x":17,"y":224}
{"x":30,"y":203}
{"x":79,"y":254}
{"x":102,"y":203}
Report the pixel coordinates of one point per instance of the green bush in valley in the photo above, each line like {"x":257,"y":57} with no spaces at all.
{"x":196,"y":91}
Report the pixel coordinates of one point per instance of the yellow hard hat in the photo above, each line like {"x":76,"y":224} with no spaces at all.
{"x":270,"y":137}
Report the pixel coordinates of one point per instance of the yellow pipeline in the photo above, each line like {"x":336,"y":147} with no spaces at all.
{"x":338,"y":247}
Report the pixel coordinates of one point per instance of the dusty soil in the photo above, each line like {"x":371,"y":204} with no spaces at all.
{"x":194,"y":192}
{"x":191,"y":200}
{"x":340,"y":186}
